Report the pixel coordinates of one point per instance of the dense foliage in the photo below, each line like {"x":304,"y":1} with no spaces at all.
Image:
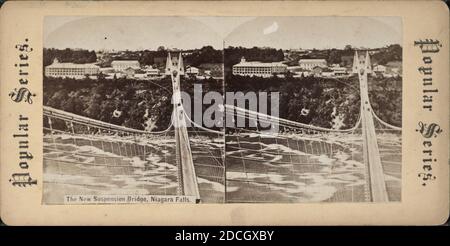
{"x":204,"y":55}
{"x":99,"y":99}
{"x":320,"y":97}
{"x":334,"y":56}
{"x":391,"y":53}
{"x":69,"y":55}
{"x":233,"y":55}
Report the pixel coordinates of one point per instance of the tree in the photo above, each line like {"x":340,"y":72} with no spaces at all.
{"x":57,"y":98}
{"x":69,"y":55}
{"x":390,"y":53}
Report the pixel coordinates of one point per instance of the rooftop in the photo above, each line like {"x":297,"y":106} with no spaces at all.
{"x":259,"y":64}
{"x":71,"y":65}
{"x":124,"y":61}
{"x":312,"y":60}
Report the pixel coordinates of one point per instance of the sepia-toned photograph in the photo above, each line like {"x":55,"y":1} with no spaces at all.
{"x":222,"y":109}
{"x":114,"y":122}
{"x":327,"y":123}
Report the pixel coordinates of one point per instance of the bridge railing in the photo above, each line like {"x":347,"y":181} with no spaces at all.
{"x":87,"y":156}
{"x":289,"y":165}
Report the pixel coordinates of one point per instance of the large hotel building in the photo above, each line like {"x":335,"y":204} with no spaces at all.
{"x":260,"y":69}
{"x":70,"y":70}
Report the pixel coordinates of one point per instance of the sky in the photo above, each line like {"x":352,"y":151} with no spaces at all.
{"x":136,"y":33}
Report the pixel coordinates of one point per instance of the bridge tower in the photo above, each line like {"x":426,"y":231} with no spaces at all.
{"x":187,"y":178}
{"x":371,"y":152}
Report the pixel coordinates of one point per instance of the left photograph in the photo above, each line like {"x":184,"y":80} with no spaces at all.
{"x":132,"y":111}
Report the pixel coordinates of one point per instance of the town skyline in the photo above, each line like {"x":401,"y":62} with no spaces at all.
{"x":149,"y":33}
{"x":175,"y":49}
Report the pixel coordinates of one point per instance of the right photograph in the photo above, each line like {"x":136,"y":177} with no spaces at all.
{"x":313,"y":110}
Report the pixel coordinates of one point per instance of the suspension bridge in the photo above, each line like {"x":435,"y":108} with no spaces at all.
{"x":299,"y":163}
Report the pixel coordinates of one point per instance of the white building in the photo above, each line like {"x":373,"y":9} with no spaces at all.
{"x":152,"y":72}
{"x":379,"y":69}
{"x":115,"y":75}
{"x":140,"y":75}
{"x":120,"y":66}
{"x":260,"y":69}
{"x":71,"y":70}
{"x":192,"y":71}
{"x":301,"y":74}
{"x":294,"y":69}
{"x":339,"y":71}
{"x":106,"y":70}
{"x":396,"y":70}
{"x":309,"y":64}
{"x":327,"y":74}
